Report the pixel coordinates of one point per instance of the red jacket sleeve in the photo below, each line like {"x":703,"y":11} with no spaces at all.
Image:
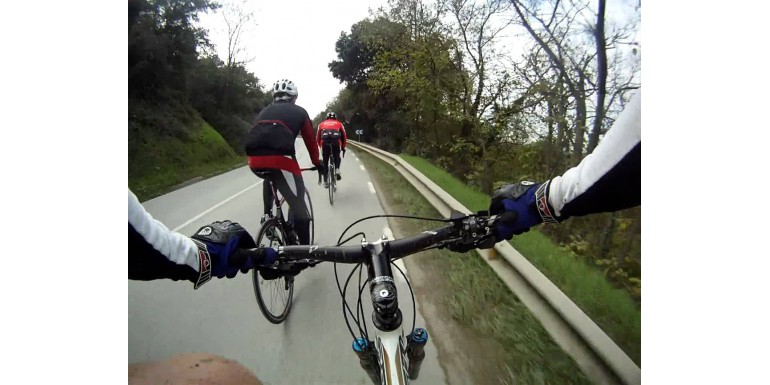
{"x":318,"y":135}
{"x":307,"y":136}
{"x":344,"y":136}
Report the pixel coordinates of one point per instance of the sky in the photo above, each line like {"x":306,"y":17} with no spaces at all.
{"x":294,"y":39}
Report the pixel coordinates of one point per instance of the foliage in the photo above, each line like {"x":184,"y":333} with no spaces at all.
{"x":227,"y":97}
{"x":430,"y":79}
{"x":170,"y":144}
{"x":188,"y":111}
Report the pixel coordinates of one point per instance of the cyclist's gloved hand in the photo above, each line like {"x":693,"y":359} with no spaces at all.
{"x":343,"y":152}
{"x":218,"y":243}
{"x":520,"y":206}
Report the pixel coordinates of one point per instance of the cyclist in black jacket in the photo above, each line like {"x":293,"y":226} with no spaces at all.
{"x":609,"y":179}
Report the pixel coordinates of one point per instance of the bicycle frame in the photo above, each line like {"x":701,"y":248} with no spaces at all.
{"x":391,"y":352}
{"x":278,"y":202}
{"x":389,"y":340}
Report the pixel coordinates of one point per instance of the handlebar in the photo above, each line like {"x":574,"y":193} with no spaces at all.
{"x":465,"y":233}
{"x":314,"y":168}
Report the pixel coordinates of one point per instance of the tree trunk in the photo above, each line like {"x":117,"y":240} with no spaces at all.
{"x":580,"y":119}
{"x":485,"y":178}
{"x":601,"y":78}
{"x":609,"y":231}
{"x":549,"y":143}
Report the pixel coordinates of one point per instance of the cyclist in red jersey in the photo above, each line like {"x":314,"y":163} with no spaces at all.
{"x":331,"y":138}
{"x":270,"y":147}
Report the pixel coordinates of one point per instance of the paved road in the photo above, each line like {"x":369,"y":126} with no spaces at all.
{"x":313,"y":346}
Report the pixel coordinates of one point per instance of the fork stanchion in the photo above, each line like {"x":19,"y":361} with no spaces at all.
{"x":368,"y":358}
{"x":415,"y":352}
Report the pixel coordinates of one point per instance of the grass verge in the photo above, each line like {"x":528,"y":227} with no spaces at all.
{"x":612,"y":309}
{"x":158,"y":161}
{"x":512,"y":346}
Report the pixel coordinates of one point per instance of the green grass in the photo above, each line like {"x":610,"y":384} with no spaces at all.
{"x":478,"y":299}
{"x":469,"y":197}
{"x":159,"y":160}
{"x":612,"y":309}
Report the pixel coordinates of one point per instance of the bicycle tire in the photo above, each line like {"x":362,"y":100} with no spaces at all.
{"x":312,"y":217}
{"x":332,"y":178}
{"x":276,"y":286}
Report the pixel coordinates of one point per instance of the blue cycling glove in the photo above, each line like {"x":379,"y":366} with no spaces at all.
{"x":218,"y":245}
{"x":520,"y":206}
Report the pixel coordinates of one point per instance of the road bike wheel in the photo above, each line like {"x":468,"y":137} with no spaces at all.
{"x":309,"y":204}
{"x":332,"y":183}
{"x":273,"y":296}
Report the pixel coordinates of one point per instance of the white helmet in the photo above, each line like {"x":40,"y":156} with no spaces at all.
{"x":285,"y":86}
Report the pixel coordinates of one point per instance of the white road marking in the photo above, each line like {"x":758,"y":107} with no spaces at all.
{"x":362,"y":167}
{"x":216,"y":206}
{"x":371,"y":188}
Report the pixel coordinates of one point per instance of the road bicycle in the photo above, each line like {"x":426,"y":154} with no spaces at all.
{"x":274,"y":285}
{"x":331,"y":175}
{"x":388,"y":355}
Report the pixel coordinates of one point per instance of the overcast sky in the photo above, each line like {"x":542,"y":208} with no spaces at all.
{"x":294,"y":39}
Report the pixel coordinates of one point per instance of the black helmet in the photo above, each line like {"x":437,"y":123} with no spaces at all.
{"x":331,"y":115}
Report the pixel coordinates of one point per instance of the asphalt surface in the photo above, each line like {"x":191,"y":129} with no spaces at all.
{"x":313,"y":346}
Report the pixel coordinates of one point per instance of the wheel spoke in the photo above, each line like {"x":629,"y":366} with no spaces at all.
{"x":273,"y":293}
{"x":272,"y":296}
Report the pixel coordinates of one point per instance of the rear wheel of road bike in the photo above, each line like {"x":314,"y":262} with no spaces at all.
{"x":332,"y":178}
{"x":309,"y":205}
{"x":274,"y":296}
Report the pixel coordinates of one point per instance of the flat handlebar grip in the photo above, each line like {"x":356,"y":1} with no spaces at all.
{"x":240,"y":257}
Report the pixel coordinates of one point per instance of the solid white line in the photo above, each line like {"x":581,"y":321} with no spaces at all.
{"x":362,"y":167}
{"x":371,"y":188}
{"x":217,"y":206}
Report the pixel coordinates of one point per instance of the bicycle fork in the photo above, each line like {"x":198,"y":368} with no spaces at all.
{"x":368,"y":358}
{"x":415,"y":354}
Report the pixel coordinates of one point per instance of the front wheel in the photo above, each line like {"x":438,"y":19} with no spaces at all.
{"x":274,"y":296}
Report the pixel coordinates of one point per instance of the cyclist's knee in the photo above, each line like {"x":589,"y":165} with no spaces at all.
{"x":191,"y":368}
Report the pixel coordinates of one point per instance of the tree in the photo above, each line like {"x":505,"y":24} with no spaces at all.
{"x":163,"y":47}
{"x":569,"y":58}
{"x":239,"y":21}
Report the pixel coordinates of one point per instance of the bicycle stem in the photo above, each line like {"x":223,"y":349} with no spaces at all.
{"x":386,"y":315}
